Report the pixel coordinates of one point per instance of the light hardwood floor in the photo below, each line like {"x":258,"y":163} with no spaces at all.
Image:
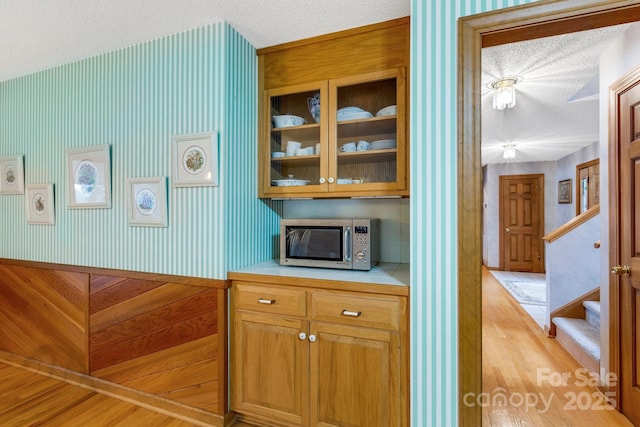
{"x":520,"y":362}
{"x":30,"y":399}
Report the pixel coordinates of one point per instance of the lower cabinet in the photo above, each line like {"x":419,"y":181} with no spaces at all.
{"x":315,"y":357}
{"x":271,"y":368}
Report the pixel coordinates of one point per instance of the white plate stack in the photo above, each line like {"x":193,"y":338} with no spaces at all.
{"x":383,"y":144}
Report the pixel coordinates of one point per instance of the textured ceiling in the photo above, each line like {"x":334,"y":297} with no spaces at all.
{"x":40,"y":34}
{"x":543,"y":125}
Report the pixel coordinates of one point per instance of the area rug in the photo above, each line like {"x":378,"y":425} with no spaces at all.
{"x":534,"y":293}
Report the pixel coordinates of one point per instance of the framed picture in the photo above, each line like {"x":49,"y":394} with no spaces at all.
{"x":89,"y":177}
{"x":12,"y":178}
{"x":195,"y":160}
{"x":40,"y":205}
{"x":147,"y":201}
{"x":564,"y":191}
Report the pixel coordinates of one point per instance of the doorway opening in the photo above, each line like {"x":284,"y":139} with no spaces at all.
{"x":509,"y":25}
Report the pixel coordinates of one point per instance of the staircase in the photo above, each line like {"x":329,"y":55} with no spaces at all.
{"x":581,"y":337}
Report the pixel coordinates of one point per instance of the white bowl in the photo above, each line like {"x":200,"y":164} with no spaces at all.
{"x":287,"y":120}
{"x":354,"y":115}
{"x":387,"y":111}
{"x":349,"y":110}
{"x":277,"y":154}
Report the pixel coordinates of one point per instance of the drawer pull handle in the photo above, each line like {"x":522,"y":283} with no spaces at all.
{"x":351,"y":313}
{"x":266,"y":301}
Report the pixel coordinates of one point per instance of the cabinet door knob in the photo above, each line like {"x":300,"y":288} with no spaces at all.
{"x":302,"y":336}
{"x":331,"y":180}
{"x":312,"y":338}
{"x":266,"y":301}
{"x":322,"y":180}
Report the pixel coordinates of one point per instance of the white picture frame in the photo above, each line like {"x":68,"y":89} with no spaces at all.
{"x":12,"y":174}
{"x":40,"y":204}
{"x":195,"y":160}
{"x":147,"y":201}
{"x":89,"y":177}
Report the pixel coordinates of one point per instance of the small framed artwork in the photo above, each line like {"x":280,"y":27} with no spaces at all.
{"x":40,"y":205}
{"x":12,"y":178}
{"x":195,"y":160}
{"x":89,"y":177}
{"x":147,"y":201}
{"x":564,"y":191}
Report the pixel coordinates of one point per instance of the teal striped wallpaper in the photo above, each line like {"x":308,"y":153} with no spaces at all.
{"x":434,"y":348}
{"x":251,"y":225}
{"x":135,"y":99}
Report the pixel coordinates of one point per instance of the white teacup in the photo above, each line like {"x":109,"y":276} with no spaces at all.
{"x":363,"y":146}
{"x":307,"y":151}
{"x":318,"y":148}
{"x":349,"y":146}
{"x":292,"y":147}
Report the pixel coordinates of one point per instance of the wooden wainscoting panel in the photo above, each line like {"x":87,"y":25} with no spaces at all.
{"x":140,"y":304}
{"x":160,"y":361}
{"x":200,"y":304}
{"x":44,"y":315}
{"x":160,"y":338}
{"x":118,"y":291}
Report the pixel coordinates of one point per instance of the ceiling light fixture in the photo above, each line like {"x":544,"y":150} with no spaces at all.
{"x":504,"y":93}
{"x":509,"y":152}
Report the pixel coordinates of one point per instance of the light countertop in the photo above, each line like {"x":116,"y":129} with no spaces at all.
{"x":382,"y":274}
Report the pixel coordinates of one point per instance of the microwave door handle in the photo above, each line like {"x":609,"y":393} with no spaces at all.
{"x":347,"y":244}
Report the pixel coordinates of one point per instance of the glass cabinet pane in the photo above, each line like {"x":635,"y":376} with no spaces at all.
{"x":366,"y":132}
{"x":295,"y":134}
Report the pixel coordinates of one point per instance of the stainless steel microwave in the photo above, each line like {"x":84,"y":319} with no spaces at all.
{"x":349,"y":244}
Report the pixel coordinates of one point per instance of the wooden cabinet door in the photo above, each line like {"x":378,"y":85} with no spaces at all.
{"x":380,"y":165}
{"x":355,"y":376}
{"x":271,"y":367}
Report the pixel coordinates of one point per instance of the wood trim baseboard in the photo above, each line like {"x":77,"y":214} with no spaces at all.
{"x":174,"y":409}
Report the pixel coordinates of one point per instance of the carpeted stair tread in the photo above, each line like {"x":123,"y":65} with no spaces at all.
{"x":594,"y":306}
{"x":582,"y":332}
{"x":592,"y":312}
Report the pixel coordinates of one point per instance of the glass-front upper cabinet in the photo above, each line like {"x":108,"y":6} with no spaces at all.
{"x":344,"y":137}
{"x":367,"y":133}
{"x":294,"y":133}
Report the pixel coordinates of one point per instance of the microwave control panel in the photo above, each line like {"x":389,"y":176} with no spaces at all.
{"x":362,"y":245}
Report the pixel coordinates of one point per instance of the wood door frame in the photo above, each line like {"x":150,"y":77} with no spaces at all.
{"x":501,"y":225}
{"x":580,"y":167}
{"x":533,"y":20}
{"x":616,"y":89}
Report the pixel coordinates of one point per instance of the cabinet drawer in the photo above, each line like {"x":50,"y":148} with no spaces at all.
{"x":375,"y":311}
{"x":270,"y":300}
